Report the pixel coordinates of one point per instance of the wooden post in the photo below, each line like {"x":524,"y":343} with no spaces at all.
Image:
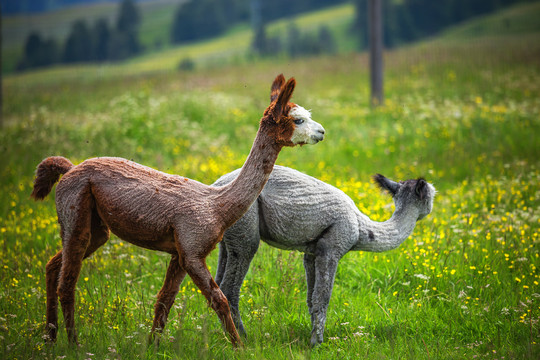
{"x":376,"y":51}
{"x":256,"y":15}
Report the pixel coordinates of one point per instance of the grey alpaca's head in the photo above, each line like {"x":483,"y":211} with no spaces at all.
{"x":415,"y":193}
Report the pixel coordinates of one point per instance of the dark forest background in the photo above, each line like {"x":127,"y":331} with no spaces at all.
{"x":101,"y":41}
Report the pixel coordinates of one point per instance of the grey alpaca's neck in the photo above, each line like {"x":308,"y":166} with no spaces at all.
{"x":383,"y":236}
{"x":236,"y":197}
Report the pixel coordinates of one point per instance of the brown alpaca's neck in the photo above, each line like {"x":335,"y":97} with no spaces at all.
{"x":234,"y":199}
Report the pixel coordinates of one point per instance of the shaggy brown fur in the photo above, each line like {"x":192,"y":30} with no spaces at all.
{"x":47,"y":174}
{"x":157,"y":211}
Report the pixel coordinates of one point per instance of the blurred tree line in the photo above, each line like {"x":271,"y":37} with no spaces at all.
{"x":410,"y":20}
{"x":202,"y":19}
{"x":194,"y":20}
{"x":35,"y":6}
{"x":96,"y":43}
{"x":294,"y":43}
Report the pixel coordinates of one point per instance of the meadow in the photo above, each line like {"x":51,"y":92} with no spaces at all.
{"x":463,"y":113}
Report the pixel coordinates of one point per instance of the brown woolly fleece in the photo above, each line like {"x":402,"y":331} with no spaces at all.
{"x":157,"y":211}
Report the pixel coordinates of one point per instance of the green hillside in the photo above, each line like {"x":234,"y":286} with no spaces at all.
{"x":234,"y":46}
{"x":462,"y":112}
{"x":157,"y":17}
{"x":516,"y":20}
{"x":154,"y":33}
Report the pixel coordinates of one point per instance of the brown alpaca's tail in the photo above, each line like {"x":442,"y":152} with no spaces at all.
{"x":47,"y":174}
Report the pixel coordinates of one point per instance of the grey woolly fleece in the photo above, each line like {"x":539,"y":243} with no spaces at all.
{"x":298,"y":212}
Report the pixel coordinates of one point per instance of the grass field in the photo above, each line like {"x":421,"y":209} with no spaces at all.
{"x":464,"y":113}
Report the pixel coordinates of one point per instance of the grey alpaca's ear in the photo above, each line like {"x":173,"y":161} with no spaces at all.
{"x":386,"y":184}
{"x":276,"y":87}
{"x":283,"y":99}
{"x":421,"y":189}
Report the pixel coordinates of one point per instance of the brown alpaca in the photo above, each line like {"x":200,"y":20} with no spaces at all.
{"x":158,"y":211}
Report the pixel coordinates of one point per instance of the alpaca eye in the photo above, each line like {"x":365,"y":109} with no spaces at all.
{"x":298,"y":121}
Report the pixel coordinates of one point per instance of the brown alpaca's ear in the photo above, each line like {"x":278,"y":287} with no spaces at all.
{"x":276,"y":87}
{"x":283,"y":99}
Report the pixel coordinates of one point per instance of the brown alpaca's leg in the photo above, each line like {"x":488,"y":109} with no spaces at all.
{"x":52,"y":272}
{"x":99,"y":234}
{"x":71,"y":267}
{"x":167,"y":294}
{"x":198,"y":271}
{"x":66,"y":288}
{"x":79,"y":246}
{"x":76,"y":239}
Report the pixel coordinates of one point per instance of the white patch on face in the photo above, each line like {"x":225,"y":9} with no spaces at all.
{"x":432,"y":192}
{"x":306,"y":130}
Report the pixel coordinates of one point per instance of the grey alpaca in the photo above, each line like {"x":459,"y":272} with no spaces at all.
{"x":298,"y":212}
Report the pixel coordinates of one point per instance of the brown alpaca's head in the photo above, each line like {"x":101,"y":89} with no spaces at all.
{"x":288,"y":123}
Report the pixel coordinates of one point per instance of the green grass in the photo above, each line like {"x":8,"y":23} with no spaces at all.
{"x":464,"y":114}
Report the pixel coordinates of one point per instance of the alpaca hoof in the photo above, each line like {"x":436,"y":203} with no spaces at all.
{"x":238,"y":343}
{"x":242,"y":332}
{"x":316,"y":340}
{"x":153,"y":338}
{"x":74,"y":344}
{"x":49,"y":339}
{"x":72,"y":339}
{"x":50,"y":333}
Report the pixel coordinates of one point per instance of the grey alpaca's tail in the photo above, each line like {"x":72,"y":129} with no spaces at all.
{"x":47,"y":174}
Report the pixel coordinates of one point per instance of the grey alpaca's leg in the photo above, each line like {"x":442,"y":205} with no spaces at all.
{"x":222,"y":262}
{"x":309,"y":267}
{"x":239,"y":245}
{"x":325,"y":271}
{"x":239,"y":256}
